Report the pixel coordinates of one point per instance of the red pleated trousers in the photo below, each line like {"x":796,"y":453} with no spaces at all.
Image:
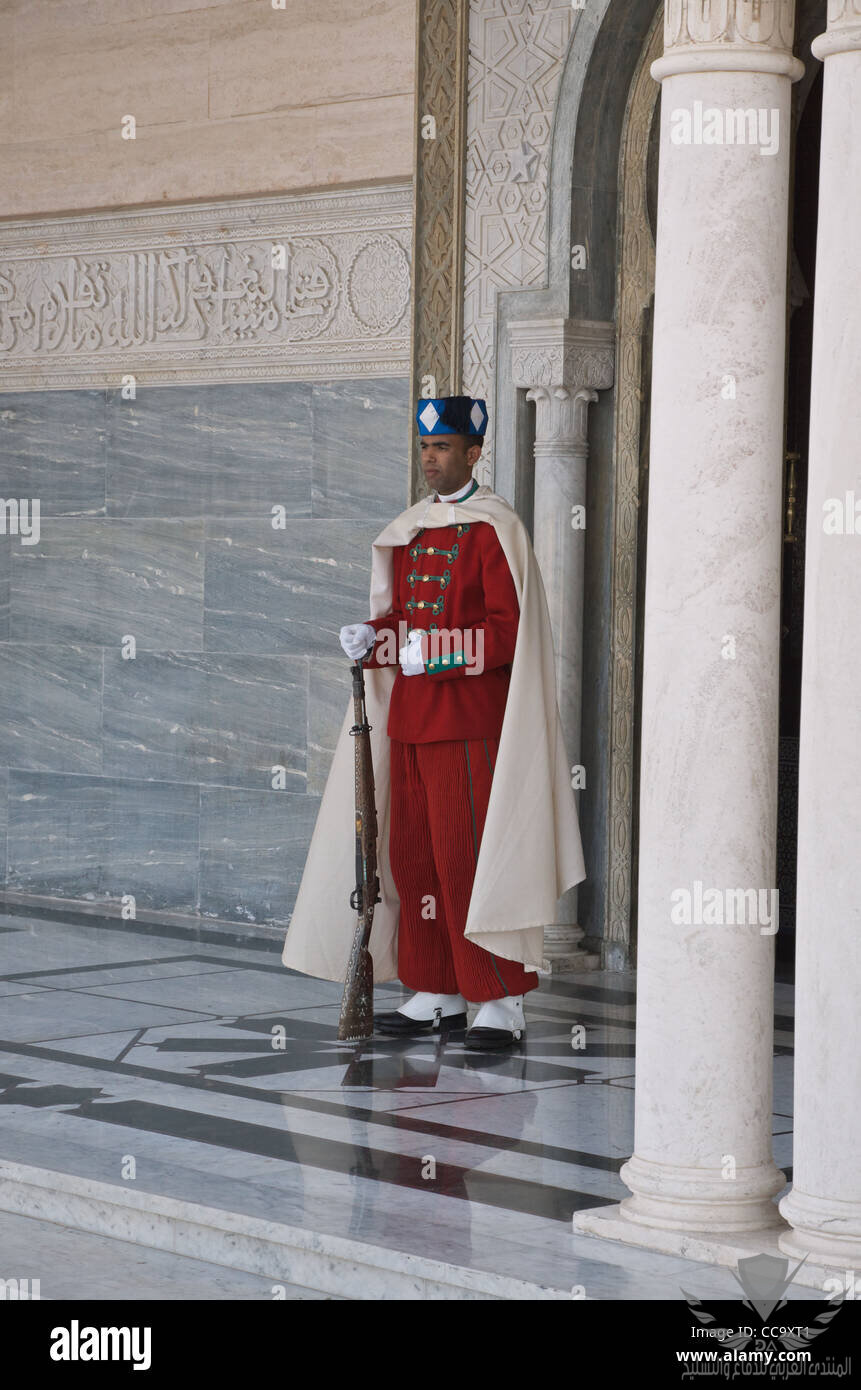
{"x":439,"y":802}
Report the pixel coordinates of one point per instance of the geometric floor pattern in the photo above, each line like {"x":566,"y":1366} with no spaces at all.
{"x":209,"y":1072}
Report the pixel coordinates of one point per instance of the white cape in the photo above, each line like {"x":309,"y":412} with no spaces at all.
{"x":530,"y":850}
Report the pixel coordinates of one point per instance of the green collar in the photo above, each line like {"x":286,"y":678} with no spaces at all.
{"x":473,"y":489}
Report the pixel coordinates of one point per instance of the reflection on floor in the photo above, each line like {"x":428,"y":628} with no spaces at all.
{"x":209,"y":1073}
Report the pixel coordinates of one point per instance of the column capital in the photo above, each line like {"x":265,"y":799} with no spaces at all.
{"x":728,"y":36}
{"x":844,"y":30}
{"x":561,"y":419}
{"x":576,"y":353}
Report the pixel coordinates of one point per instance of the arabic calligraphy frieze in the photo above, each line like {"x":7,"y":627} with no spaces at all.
{"x":223,"y":294}
{"x":242,"y":290}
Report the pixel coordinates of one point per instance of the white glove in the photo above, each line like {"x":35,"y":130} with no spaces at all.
{"x":356,"y":638}
{"x":410,"y":656}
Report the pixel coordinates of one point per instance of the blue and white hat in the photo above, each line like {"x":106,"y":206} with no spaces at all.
{"x":452,"y":415}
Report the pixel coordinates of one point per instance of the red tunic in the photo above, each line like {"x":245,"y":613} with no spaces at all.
{"x":468,"y":590}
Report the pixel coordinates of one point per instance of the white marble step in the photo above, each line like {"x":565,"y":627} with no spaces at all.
{"x":329,"y":1264}
{"x":70,"y":1265}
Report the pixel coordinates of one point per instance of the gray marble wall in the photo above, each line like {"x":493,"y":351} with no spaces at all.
{"x":152,"y":776}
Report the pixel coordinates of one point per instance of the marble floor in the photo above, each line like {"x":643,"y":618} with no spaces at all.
{"x":205,"y":1071}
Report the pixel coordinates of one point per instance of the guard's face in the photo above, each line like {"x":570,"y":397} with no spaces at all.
{"x":448,"y":461}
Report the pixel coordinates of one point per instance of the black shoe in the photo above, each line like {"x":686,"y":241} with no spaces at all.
{"x":492,"y":1039}
{"x":397,"y":1025}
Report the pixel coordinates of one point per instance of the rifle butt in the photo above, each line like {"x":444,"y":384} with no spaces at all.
{"x":356,"y":1023}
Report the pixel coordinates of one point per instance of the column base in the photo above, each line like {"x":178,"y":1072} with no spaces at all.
{"x":705,"y":1247}
{"x":820,"y":1231}
{"x":563,"y":952}
{"x":670,"y":1197}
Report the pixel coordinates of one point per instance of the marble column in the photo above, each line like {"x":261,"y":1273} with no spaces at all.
{"x":824,"y":1206}
{"x":708,"y":804}
{"x":562,"y":364}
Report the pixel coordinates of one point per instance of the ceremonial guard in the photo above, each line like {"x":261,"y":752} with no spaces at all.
{"x":478,"y":829}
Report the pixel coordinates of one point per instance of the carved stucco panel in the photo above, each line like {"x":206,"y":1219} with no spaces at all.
{"x":441,"y":68}
{"x":636,"y":281}
{"x":516,"y":54}
{"x":570,"y":366}
{"x":275,"y":288}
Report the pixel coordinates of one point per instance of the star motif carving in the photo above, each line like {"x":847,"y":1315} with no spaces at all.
{"x":522,"y":162}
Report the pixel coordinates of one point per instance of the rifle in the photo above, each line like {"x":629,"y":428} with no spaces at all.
{"x":357,"y":1007}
